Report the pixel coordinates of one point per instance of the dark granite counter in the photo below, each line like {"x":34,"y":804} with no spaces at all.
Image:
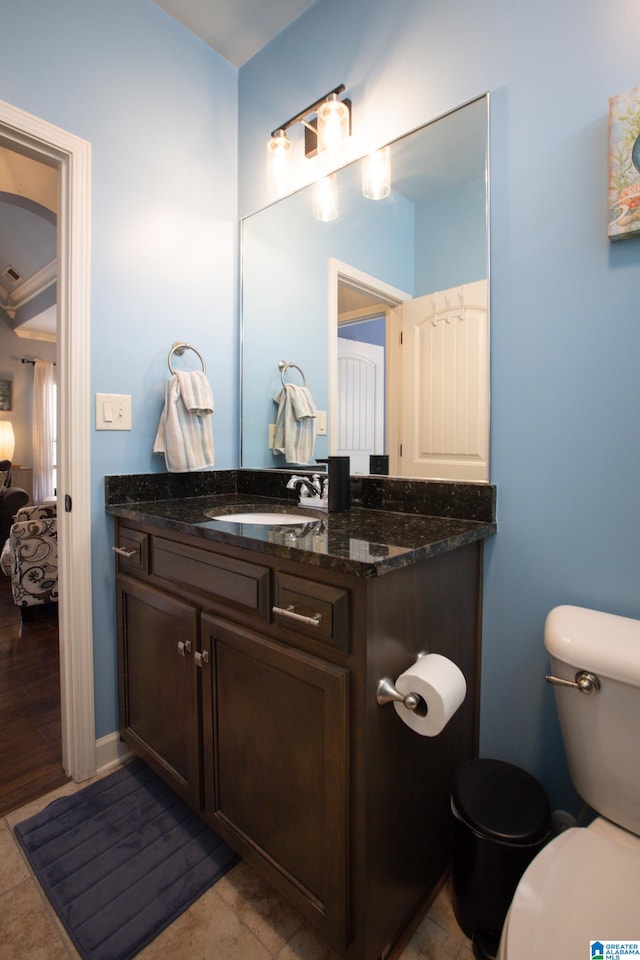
{"x":362,"y":541}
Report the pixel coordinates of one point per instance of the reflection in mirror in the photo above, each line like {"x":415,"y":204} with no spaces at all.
{"x":384,"y":310}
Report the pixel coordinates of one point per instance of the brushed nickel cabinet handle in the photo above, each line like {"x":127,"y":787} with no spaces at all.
{"x":290,"y":612}
{"x":129,"y":554}
{"x":184,"y":647}
{"x":201,"y":658}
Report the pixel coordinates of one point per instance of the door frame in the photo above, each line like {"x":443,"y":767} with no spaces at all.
{"x":71,"y":156}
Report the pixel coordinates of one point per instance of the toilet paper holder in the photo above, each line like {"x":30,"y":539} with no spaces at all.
{"x":386,"y":691}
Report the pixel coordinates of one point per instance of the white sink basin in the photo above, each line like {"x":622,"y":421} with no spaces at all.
{"x":266,"y":519}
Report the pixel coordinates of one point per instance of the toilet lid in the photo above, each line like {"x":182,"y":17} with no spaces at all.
{"x":582,"y":886}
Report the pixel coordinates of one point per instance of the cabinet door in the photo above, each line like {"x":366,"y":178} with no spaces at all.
{"x":159,"y":683}
{"x":277,"y":770}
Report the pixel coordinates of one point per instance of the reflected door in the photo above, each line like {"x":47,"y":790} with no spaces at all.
{"x":360,"y":402}
{"x":444,"y":429}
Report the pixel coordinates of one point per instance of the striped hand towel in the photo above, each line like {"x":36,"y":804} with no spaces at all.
{"x":295,"y":434}
{"x":185,"y":431}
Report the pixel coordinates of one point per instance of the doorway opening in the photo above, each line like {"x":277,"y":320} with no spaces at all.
{"x":71,"y":157}
{"x":371,"y":372}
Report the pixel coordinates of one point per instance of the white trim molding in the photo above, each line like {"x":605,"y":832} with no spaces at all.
{"x":40,"y":140}
{"x":111,"y":752}
{"x":30,"y":288}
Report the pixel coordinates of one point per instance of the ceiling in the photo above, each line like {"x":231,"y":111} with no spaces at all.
{"x":237,"y":29}
{"x":28,"y":264}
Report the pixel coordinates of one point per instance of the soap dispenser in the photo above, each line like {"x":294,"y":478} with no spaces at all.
{"x":339,"y":484}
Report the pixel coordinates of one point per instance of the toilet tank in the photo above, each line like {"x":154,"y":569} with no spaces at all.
{"x":601,"y":732}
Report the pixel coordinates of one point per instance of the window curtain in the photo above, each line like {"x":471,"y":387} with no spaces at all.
{"x":44,"y":430}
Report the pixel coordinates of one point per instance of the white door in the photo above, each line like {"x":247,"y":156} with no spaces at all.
{"x":360,"y":402}
{"x":444,"y":430}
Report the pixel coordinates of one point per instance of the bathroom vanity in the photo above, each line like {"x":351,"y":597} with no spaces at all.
{"x":249,"y":658}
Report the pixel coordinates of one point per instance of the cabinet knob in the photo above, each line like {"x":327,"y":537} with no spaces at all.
{"x":201,"y":658}
{"x":184,"y":647}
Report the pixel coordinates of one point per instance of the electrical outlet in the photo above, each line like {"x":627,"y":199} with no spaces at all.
{"x":272,"y":435}
{"x":321,"y":423}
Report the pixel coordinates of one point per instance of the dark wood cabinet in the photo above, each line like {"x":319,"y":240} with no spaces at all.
{"x":277,"y":775}
{"x":159,"y":706}
{"x":269,"y":724}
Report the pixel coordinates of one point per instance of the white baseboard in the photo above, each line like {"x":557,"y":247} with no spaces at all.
{"x":110,"y":752}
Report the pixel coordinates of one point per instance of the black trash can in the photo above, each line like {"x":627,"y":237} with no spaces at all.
{"x":501,"y":818}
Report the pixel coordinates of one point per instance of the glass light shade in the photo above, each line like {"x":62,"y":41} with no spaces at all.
{"x":376,"y":174}
{"x":333,"y":124}
{"x":278,"y":163}
{"x":325,"y":199}
{"x":7,"y":440}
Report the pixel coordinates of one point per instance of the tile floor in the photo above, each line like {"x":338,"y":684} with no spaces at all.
{"x":237,"y":919}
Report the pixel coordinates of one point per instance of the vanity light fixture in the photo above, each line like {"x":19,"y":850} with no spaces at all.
{"x":326,"y":122}
{"x":334,"y":120}
{"x":278,"y":162}
{"x":325,"y":201}
{"x":376,"y":174}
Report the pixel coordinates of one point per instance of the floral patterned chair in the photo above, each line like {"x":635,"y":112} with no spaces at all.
{"x":30,"y":557}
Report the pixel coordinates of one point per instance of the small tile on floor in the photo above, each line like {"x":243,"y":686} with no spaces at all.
{"x":271,"y":919}
{"x":441,"y":912}
{"x":466,"y":951}
{"x":28,"y":932}
{"x":13,"y":867}
{"x":208,"y":930}
{"x":307,"y":945}
{"x":431,"y":942}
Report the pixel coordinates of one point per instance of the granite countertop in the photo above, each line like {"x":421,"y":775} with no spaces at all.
{"x":361,"y":541}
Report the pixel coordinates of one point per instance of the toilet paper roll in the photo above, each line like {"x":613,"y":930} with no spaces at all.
{"x":442,"y":688}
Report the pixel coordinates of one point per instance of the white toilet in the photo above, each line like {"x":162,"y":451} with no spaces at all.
{"x":585,"y":884}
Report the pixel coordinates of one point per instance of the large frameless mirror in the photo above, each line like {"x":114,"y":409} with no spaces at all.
{"x":382,"y":311}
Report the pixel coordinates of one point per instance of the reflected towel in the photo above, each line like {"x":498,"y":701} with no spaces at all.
{"x":295,"y":434}
{"x":185,"y":431}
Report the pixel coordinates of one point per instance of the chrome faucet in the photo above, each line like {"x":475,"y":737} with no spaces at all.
{"x":313,"y":485}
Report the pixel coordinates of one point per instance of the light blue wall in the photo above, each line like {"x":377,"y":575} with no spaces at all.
{"x":451,"y":239}
{"x":159,"y":108}
{"x":565,"y":337}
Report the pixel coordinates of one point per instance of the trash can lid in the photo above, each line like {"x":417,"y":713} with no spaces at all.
{"x":501,"y":801}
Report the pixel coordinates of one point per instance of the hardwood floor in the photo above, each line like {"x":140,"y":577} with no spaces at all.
{"x":30,"y":730}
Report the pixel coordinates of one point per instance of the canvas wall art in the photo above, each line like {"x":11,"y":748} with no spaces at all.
{"x":5,"y":394}
{"x":624,"y":165}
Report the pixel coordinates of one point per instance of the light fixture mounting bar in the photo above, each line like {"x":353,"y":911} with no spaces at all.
{"x":308,"y":110}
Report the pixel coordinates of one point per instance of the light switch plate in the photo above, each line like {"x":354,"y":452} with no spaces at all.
{"x":321,"y":423}
{"x":113,"y":411}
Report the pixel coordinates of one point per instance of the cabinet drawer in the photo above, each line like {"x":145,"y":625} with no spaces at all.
{"x":132,"y":551}
{"x":241,"y":583}
{"x":312,"y":609}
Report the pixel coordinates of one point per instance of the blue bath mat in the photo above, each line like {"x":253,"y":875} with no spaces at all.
{"x":121,"y":859}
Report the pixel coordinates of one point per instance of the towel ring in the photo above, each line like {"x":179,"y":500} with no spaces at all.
{"x":179,"y":348}
{"x":284,"y":365}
